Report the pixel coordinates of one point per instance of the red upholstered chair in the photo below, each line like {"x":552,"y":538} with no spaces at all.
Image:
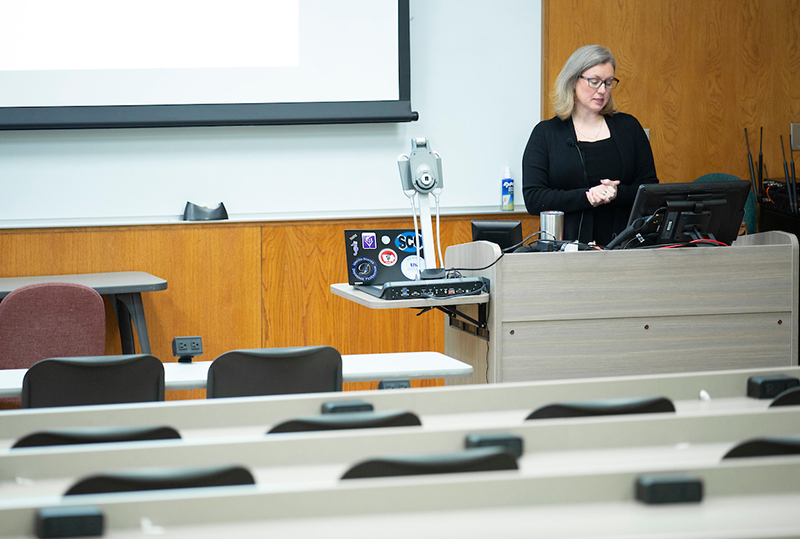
{"x":46,"y":320}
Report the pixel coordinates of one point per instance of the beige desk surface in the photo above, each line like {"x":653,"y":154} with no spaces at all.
{"x":114,"y":282}
{"x":744,"y":498}
{"x":478,"y":404}
{"x":642,"y":441}
{"x":730,"y":518}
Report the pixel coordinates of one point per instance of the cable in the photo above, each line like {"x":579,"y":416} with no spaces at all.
{"x":586,"y":246}
{"x":695,"y":243}
{"x":416,"y":231}
{"x":487,"y":361}
{"x":520,"y":244}
{"x":479,"y":269}
{"x":438,"y":229}
{"x":562,"y":243}
{"x":634,"y":231}
{"x":767,"y":193}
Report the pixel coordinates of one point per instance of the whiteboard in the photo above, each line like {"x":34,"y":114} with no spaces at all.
{"x":475,"y":81}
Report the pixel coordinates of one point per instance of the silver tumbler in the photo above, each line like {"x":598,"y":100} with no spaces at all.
{"x":551,"y":223}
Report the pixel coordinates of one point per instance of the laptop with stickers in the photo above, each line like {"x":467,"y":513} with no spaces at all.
{"x":378,"y":256}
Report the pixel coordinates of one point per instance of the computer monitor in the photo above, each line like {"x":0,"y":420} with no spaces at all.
{"x":674,"y":213}
{"x":504,"y":233}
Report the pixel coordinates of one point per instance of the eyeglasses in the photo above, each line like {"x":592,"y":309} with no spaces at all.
{"x":595,"y":83}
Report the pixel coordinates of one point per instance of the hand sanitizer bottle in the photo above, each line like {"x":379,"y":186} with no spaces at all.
{"x":508,"y":191}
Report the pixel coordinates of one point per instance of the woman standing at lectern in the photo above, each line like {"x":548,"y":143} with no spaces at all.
{"x":588,"y":160}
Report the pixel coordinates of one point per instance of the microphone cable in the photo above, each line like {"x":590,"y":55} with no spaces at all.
{"x":411,"y":198}
{"x":574,"y":142}
{"x":438,"y":229}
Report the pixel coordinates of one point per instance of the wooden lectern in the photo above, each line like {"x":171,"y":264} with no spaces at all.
{"x":626,"y":312}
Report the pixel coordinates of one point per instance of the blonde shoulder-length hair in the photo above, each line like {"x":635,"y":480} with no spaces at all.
{"x":586,"y":57}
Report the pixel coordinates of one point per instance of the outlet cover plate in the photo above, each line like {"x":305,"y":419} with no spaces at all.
{"x":795,"y":137}
{"x":187,"y":346}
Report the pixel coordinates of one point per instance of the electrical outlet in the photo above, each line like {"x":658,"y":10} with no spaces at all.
{"x":394,"y":384}
{"x":187,"y":347}
{"x":795,"y":137}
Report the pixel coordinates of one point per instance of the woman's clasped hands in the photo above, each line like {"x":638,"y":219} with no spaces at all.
{"x":603,"y":193}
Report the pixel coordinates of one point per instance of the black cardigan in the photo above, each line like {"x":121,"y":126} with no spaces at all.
{"x":553,"y":177}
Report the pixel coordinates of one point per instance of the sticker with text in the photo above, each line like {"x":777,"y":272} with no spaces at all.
{"x":407,"y":242}
{"x":411,"y":266}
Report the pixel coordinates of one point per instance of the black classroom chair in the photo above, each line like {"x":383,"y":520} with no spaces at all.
{"x":77,"y":381}
{"x":275,"y":371}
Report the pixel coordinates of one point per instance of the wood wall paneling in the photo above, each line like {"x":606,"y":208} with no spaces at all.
{"x":240,"y":285}
{"x":695,"y":73}
{"x":213,"y":277}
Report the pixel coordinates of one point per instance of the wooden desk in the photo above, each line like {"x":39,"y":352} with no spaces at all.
{"x":609,"y":313}
{"x":124,"y":290}
{"x":355,"y":368}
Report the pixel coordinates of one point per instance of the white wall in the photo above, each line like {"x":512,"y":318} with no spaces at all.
{"x":475,"y":69}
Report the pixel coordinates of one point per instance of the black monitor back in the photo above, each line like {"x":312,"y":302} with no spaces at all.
{"x":504,"y":233}
{"x":669,"y":213}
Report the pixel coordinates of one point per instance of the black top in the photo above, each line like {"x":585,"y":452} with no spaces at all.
{"x":602,"y":161}
{"x":554,"y":178}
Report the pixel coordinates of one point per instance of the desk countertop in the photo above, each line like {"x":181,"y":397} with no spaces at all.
{"x":355,"y":368}
{"x":115,"y":282}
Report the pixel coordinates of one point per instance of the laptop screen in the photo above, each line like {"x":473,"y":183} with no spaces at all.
{"x":378,"y":256}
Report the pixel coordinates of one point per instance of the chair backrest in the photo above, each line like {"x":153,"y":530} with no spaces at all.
{"x":645,"y":405}
{"x":163,"y":479}
{"x":96,"y":435}
{"x":750,"y":206}
{"x":343,"y":421}
{"x":479,"y":459}
{"x":275,"y":371}
{"x":93,"y":380}
{"x":45,"y":320}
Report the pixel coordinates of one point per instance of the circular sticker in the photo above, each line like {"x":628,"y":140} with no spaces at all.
{"x":385,"y":239}
{"x":388,"y":257}
{"x":364,"y":269}
{"x":407,"y":242}
{"x":411,"y":265}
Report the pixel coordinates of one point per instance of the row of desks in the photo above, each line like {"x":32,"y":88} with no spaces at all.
{"x":742,"y":500}
{"x":575,"y":479}
{"x":663,"y":442}
{"x":470,"y":404}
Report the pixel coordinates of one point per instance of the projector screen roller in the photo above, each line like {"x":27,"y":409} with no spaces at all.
{"x":93,"y":63}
